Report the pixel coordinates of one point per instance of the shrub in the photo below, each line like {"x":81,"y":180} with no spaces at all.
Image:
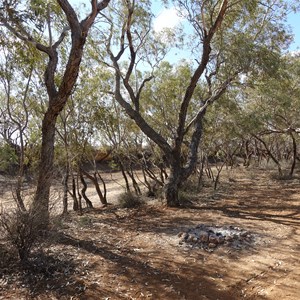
{"x":128,"y":200}
{"x":85,"y":221}
{"x":283,"y":177}
{"x":21,"y":230}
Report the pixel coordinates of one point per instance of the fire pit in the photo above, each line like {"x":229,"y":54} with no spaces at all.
{"x":211,"y":237}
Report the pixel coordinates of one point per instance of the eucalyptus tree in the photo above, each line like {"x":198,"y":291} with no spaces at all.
{"x":32,"y":23}
{"x":229,"y":39}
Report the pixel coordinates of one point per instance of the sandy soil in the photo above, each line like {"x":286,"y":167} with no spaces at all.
{"x":113,"y":253}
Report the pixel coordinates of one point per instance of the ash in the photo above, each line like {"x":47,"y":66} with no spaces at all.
{"x":212,"y":237}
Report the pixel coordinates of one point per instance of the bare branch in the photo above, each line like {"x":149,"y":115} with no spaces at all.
{"x":211,"y":99}
{"x":25,"y":37}
{"x":96,"y":9}
{"x":142,"y":86}
{"x":70,"y":15}
{"x":49,"y":24}
{"x":61,"y":38}
{"x":206,"y":50}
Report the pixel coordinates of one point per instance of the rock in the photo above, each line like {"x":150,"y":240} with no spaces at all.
{"x":203,"y":237}
{"x":190,"y":238}
{"x":194,"y":239}
{"x":244,"y":234}
{"x":185,"y":236}
{"x":220,"y":239}
{"x":228,"y":238}
{"x":180,"y":234}
{"x":213,"y":239}
{"x":248,"y":236}
{"x":212,"y":245}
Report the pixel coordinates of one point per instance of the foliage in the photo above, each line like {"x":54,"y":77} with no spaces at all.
{"x":8,"y":157}
{"x":129,"y":200}
{"x":268,"y":111}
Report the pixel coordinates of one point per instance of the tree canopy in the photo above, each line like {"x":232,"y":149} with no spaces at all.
{"x":102,"y":79}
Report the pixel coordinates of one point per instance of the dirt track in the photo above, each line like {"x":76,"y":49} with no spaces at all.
{"x":115,"y":186}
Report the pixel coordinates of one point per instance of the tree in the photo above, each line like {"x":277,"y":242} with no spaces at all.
{"x":16,"y":75}
{"x":28,"y":26}
{"x":230,"y":39}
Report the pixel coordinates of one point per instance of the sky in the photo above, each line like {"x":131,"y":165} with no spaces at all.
{"x":294,"y":22}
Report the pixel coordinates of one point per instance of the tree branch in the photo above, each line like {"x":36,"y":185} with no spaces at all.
{"x":206,"y":50}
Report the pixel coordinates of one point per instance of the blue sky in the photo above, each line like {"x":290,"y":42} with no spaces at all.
{"x":294,"y":22}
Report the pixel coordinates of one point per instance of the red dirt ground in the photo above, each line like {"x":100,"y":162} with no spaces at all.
{"x":113,"y":253}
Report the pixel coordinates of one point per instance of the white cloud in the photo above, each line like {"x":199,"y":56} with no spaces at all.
{"x":294,"y":53}
{"x":168,"y":18}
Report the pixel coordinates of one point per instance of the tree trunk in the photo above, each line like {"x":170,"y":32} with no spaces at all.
{"x":200,"y":176}
{"x":135,"y":185}
{"x":65,"y":187}
{"x":219,"y":170}
{"x":94,"y":180}
{"x":270,"y":155}
{"x":124,"y":176}
{"x":74,"y":194}
{"x":294,"y":154}
{"x":40,"y":203}
{"x":248,"y":154}
{"x":172,"y":187}
{"x":103,"y":185}
{"x":88,"y":202}
{"x":79,"y":194}
{"x":20,"y":179}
